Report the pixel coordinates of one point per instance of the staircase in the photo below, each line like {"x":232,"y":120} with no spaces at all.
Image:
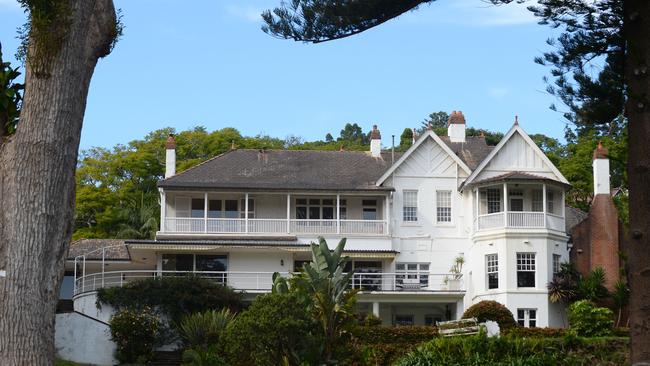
{"x":166,"y":358}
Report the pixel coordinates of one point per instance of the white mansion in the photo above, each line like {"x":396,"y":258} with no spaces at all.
{"x":407,"y":217}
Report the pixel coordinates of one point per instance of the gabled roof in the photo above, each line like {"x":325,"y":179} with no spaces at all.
{"x":516,"y":175}
{"x":285,"y":170}
{"x":516,"y":129}
{"x":428,"y":134}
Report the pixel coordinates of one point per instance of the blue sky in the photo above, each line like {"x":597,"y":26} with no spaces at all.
{"x":189,"y":63}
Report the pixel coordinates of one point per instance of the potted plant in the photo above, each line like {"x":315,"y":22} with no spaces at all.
{"x":455,"y":274}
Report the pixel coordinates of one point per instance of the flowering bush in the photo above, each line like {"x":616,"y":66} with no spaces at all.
{"x":491,"y":310}
{"x":134,"y":333}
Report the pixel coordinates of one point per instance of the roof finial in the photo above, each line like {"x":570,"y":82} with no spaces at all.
{"x":516,"y":120}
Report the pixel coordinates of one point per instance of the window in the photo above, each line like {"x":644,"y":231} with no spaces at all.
{"x":443,"y":206}
{"x":230,"y":209}
{"x":218,"y":209}
{"x":410,"y":212}
{"x":492,"y":270}
{"x":251,"y":208}
{"x":550,"y":204}
{"x":367,"y":275}
{"x":493,"y":200}
{"x":527,"y":317}
{"x":343,"y":209}
{"x":556,"y":264}
{"x":197,"y":263}
{"x":538,"y":204}
{"x":516,"y":200}
{"x":369,"y":209}
{"x":431,"y":320}
{"x":198,"y":207}
{"x":525,"y":269}
{"x":315,"y":209}
{"x":404,"y":320}
{"x":178,"y":262}
{"x":412,"y":274}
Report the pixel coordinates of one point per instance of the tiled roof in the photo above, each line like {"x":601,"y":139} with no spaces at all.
{"x":514,"y":176}
{"x":472,"y":151}
{"x":573,"y":217}
{"x":286,"y":170}
{"x":115,"y":249}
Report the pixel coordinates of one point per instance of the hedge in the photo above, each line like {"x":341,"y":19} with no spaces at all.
{"x":377,"y":345}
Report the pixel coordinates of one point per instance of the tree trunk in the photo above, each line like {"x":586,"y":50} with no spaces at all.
{"x":636,"y":31}
{"x":37,"y":185}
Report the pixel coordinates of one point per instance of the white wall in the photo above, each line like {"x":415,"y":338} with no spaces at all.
{"x":81,"y":339}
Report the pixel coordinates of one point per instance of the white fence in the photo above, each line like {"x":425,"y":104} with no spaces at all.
{"x":520,"y":219}
{"x":263,"y":281}
{"x":273,"y":226}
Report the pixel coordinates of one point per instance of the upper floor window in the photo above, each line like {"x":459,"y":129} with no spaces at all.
{"x":550,"y":202}
{"x":314,"y":209}
{"x":412,"y":272}
{"x":410,"y":209}
{"x":198,"y":207}
{"x":537,"y":202}
{"x":443,"y":206}
{"x":369,"y":208}
{"x":527,"y":317}
{"x":556,"y":264}
{"x":343,"y":209}
{"x":525,"y":269}
{"x":490,"y":200}
{"x":223,"y":209}
{"x":492,"y":270}
{"x":516,"y":200}
{"x":251,"y":208}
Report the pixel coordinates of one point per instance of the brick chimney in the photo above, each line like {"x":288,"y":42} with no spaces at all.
{"x":375,"y":142}
{"x":456,"y":127}
{"x":170,"y":156}
{"x":603,"y":222}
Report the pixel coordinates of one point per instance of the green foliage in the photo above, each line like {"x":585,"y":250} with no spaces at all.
{"x":203,"y":357}
{"x":592,"y":286}
{"x":588,"y":320}
{"x":506,"y":351}
{"x":175,"y":297}
{"x":526,"y":332}
{"x":491,"y":310}
{"x":200,"y":330}
{"x":564,"y":286}
{"x":436,"y":120}
{"x":384,"y":345}
{"x":134,"y":333}
{"x":405,"y":140}
{"x":10,"y":97}
{"x":276,"y":329}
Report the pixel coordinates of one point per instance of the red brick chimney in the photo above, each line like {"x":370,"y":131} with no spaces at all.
{"x":603,"y":222}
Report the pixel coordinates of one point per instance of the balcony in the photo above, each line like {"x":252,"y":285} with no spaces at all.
{"x":262,"y":281}
{"x":273,"y":226}
{"x":522,"y":220}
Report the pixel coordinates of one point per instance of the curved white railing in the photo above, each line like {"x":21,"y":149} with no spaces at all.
{"x":520,"y":219}
{"x":263,"y":281}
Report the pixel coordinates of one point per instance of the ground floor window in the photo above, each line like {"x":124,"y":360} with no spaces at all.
{"x":527,"y":317}
{"x":197,"y":263}
{"x":431,"y":320}
{"x":411,"y":274}
{"x":404,"y":319}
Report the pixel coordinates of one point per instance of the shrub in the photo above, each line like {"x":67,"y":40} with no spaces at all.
{"x":201,"y":330}
{"x":203,"y":357}
{"x":491,"y":310}
{"x":134,"y":333}
{"x":588,"y":320}
{"x":374,"y":345}
{"x":275,"y":329}
{"x":174,"y":297}
{"x":535,"y":332}
{"x":480,"y":350}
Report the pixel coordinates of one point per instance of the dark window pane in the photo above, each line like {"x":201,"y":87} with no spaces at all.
{"x":328,"y":202}
{"x":525,"y":279}
{"x":493,"y":280}
{"x":198,"y":207}
{"x":532,"y":314}
{"x":211,"y":263}
{"x":328,"y":213}
{"x":520,"y":313}
{"x":313,"y":201}
{"x":301,"y":201}
{"x":344,"y":213}
{"x":343,"y":202}
{"x":314,"y":213}
{"x":516,"y":204}
{"x":532,"y":323}
{"x":178,"y":262}
{"x":214,"y":209}
{"x":231,"y":209}
{"x":299,"y":264}
{"x":369,"y":202}
{"x":370,"y":214}
{"x":520,"y":322}
{"x":301,"y":213}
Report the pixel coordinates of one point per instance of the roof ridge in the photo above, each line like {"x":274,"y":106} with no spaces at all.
{"x":201,"y":163}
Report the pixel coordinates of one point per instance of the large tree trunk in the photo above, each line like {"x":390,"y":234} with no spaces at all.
{"x":37,"y":185}
{"x":637,"y":68}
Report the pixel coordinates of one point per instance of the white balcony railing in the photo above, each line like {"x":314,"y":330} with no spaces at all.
{"x":520,"y":219}
{"x":263,"y":282}
{"x":274,"y":226}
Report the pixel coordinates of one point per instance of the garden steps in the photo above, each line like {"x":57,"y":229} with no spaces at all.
{"x":166,"y":358}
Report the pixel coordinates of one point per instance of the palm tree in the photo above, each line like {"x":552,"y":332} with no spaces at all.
{"x":141,"y":220}
{"x":621,"y":295}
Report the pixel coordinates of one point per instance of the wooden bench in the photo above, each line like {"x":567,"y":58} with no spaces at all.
{"x":459,"y":327}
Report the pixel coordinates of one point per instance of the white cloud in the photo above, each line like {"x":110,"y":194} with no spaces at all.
{"x":245,"y":12}
{"x":479,"y":13}
{"x":497,"y":92}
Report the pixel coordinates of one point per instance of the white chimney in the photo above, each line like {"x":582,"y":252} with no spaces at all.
{"x":601,"y":170}
{"x":170,"y":157}
{"x":456,"y":127}
{"x":375,"y":142}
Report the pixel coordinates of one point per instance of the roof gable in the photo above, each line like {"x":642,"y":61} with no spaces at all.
{"x":436,"y":150}
{"x":516,"y":152}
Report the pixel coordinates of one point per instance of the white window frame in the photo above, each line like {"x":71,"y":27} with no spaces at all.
{"x":308,"y":205}
{"x":550,"y":201}
{"x":525,"y":321}
{"x":494,"y":197}
{"x":557,"y":264}
{"x":491,"y":267}
{"x":420,"y":272}
{"x":537,"y":201}
{"x":444,"y":200}
{"x":374,"y":207}
{"x":410,"y":201}
{"x":527,"y":262}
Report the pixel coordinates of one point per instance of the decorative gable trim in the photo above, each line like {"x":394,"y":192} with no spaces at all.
{"x":515,"y":129}
{"x":414,"y":147}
